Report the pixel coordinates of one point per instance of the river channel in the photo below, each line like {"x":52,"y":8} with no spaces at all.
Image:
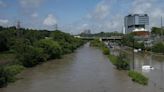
{"x":86,"y":70}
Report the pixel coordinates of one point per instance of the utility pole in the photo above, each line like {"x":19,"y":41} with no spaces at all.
{"x":18,"y":26}
{"x":56,"y":26}
{"x":161,"y":29}
{"x":161,"y":26}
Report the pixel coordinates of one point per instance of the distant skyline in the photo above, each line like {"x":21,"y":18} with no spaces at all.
{"x":74,"y":16}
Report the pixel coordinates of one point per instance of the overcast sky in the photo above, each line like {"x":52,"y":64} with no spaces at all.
{"x":76,"y":15}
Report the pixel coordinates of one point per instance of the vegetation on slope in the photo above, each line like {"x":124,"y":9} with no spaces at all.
{"x":101,"y":45}
{"x":31,"y":47}
{"x":7,"y":74}
{"x":120,"y":62}
{"x":138,"y":77}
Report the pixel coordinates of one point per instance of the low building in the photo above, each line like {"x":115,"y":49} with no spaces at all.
{"x":142,"y":34}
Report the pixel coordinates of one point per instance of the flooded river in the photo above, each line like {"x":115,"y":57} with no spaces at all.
{"x":156,"y":76}
{"x":86,"y":70}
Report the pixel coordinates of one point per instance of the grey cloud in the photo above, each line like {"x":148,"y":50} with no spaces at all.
{"x":29,"y":7}
{"x":50,"y":20}
{"x":100,"y":12}
{"x":30,"y":3}
{"x":4,"y":22}
{"x":150,"y":7}
{"x":2,"y":4}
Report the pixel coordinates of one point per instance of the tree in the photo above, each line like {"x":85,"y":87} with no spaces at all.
{"x":157,"y":31}
{"x":106,"y":50}
{"x":32,"y":35}
{"x":51,"y":48}
{"x":121,"y":63}
{"x":159,"y":48}
{"x":31,"y":56}
{"x":3,"y":42}
{"x":28,"y":55}
{"x":1,"y":28}
{"x":139,"y":45}
{"x":67,"y":42}
{"x":128,"y":40}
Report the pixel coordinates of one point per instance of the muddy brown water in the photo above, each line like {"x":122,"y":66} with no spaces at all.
{"x":86,"y":70}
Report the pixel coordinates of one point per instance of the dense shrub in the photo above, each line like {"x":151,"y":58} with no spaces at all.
{"x":106,"y":51}
{"x":120,"y":62}
{"x":159,"y":48}
{"x":3,"y":42}
{"x":157,"y":31}
{"x":113,"y":59}
{"x":97,"y":43}
{"x":131,"y":41}
{"x":66,"y":47}
{"x":138,"y":77}
{"x":51,"y":48}
{"x":127,"y":40}
{"x":67,"y":42}
{"x":14,"y":69}
{"x":101,"y":45}
{"x":7,"y":73}
{"x":31,"y":56}
{"x":31,"y":47}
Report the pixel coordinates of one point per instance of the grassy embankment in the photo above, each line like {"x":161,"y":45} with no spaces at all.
{"x":101,"y":45}
{"x":113,"y":59}
{"x":138,"y":77}
{"x":8,"y":73}
{"x":135,"y":76}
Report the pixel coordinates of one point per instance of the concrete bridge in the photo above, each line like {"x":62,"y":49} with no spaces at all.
{"x":101,"y":38}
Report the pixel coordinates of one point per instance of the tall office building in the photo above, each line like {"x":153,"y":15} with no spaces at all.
{"x":136,"y":22}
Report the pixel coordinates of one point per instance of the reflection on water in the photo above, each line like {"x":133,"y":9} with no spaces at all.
{"x":156,"y":76}
{"x":86,"y":70}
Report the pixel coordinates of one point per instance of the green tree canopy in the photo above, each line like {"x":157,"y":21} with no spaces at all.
{"x":51,"y":48}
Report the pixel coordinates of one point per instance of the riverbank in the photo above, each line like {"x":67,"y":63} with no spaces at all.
{"x":31,"y":48}
{"x":9,"y":70}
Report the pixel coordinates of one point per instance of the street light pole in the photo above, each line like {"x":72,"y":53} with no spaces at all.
{"x":133,"y":55}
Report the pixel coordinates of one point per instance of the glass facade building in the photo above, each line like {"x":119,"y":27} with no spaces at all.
{"x":136,"y":22}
